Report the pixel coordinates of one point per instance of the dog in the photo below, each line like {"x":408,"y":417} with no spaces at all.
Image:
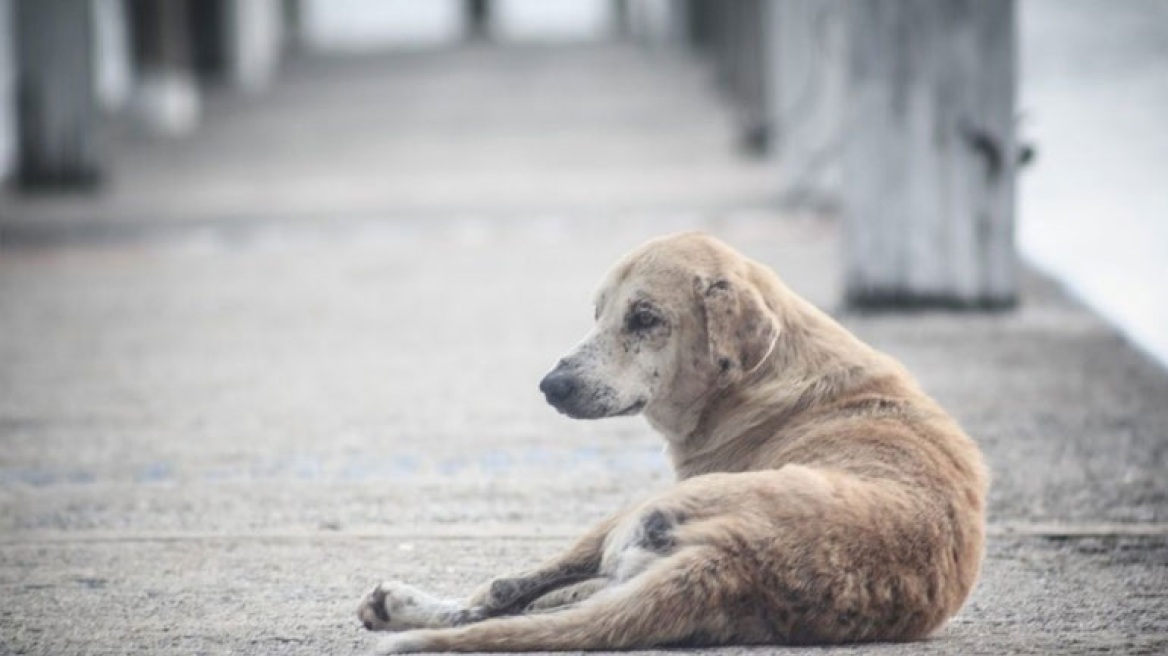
{"x":822,"y":497}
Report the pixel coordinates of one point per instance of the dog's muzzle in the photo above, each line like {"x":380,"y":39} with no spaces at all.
{"x":572,"y":393}
{"x":568,"y":391}
{"x":560,"y":385}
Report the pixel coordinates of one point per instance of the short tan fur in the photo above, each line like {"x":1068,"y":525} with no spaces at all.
{"x":822,"y":497}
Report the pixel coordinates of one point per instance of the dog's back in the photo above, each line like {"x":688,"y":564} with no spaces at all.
{"x":879,"y":536}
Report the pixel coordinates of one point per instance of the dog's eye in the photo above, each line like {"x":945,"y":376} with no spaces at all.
{"x":643,"y":319}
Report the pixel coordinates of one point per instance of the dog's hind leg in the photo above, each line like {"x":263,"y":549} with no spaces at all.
{"x":681,"y":599}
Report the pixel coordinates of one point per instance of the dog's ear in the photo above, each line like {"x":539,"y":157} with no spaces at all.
{"x":741,"y":330}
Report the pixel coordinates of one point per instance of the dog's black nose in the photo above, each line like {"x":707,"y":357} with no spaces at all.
{"x":557,"y":386}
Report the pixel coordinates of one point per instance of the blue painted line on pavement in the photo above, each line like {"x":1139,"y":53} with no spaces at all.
{"x":355,"y":468}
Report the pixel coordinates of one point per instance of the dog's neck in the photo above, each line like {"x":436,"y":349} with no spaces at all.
{"x":814,"y":360}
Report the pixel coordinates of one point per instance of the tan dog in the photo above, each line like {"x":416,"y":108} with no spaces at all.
{"x":822,"y":496}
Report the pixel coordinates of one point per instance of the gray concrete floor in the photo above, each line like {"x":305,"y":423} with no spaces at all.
{"x":298,"y":354}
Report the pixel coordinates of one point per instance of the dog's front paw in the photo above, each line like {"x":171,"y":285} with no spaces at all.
{"x":394,"y":606}
{"x":372,"y":611}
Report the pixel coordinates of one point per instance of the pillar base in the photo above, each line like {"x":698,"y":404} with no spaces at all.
{"x":166,"y":103}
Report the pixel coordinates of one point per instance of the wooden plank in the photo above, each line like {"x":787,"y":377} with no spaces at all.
{"x":929,"y":157}
{"x":57,"y":122}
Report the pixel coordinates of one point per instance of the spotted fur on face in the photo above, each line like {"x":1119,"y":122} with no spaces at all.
{"x":662,"y":339}
{"x":617,"y":368}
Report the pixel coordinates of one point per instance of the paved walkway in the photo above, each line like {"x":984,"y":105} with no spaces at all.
{"x":299,"y":354}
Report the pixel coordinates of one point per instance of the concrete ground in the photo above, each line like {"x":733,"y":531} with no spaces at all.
{"x":298,"y":354}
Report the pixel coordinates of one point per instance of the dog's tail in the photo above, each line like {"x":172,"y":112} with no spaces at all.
{"x":676,"y":601}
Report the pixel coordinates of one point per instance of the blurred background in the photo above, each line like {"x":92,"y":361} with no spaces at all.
{"x":279,"y":278}
{"x":305,"y":108}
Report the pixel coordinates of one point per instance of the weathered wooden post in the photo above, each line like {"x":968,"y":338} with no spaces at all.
{"x":700,"y":17}
{"x":752,"y":74}
{"x":736,"y":38}
{"x":654,"y":23}
{"x":929,"y":153}
{"x":809,"y":80}
{"x":166,"y":100}
{"x":478,"y":19}
{"x":255,"y":31}
{"x":237,"y":41}
{"x":58,"y":141}
{"x":113,"y":70}
{"x":722,"y":43}
{"x":7,"y":93}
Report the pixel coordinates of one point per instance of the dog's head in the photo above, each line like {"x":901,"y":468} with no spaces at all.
{"x":676,"y":320}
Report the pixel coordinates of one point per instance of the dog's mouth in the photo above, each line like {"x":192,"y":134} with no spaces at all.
{"x":597,"y":411}
{"x":633,"y":409}
{"x":574,"y":395}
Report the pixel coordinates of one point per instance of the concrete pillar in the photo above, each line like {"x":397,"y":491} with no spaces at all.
{"x":725,"y":38}
{"x":58,"y":143}
{"x":8,"y":140}
{"x":115,"y":77}
{"x":929,"y":156}
{"x":753,"y":75}
{"x":166,"y":99}
{"x":700,"y":16}
{"x":621,"y":27}
{"x":293,"y":25}
{"x":739,"y":45}
{"x":255,"y":39}
{"x":654,"y":23}
{"x":478,"y":19}
{"x":809,"y":75}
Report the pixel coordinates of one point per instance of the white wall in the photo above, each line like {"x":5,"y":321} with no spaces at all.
{"x":1094,"y":206}
{"x":552,"y":20}
{"x":363,"y":25}
{"x":357,"y":25}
